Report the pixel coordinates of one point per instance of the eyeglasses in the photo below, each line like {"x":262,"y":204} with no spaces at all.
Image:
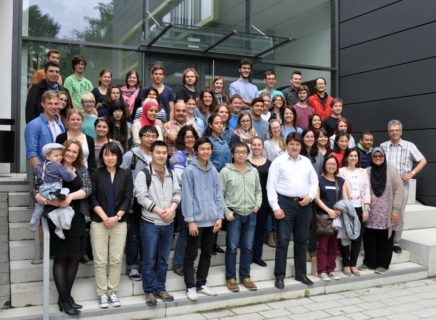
{"x":146,"y":135}
{"x":189,"y":138}
{"x":241,"y":153}
{"x":378,"y":156}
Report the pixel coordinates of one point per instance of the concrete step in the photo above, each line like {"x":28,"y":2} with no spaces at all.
{"x":419,"y":216}
{"x":20,"y":231}
{"x":133,"y":307}
{"x":13,"y":183}
{"x":19,"y":199}
{"x":422,"y":246}
{"x":19,"y":214}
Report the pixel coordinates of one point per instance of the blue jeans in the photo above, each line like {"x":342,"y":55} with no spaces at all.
{"x":240,"y":233}
{"x":179,"y":250}
{"x":155,"y":244}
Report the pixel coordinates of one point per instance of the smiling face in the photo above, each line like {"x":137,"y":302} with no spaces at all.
{"x":54,"y":155}
{"x":278,"y":102}
{"x":245,"y":122}
{"x":218,"y":85}
{"x":102,"y":129}
{"x":257,"y":147}
{"x":204,"y":151}
{"x":296,"y":81}
{"x":190,"y":106}
{"x":109,"y":159}
{"x":302,"y":95}
{"x":159,"y":155}
{"x":240,"y":154}
{"x":337,"y":108}
{"x":88,"y":105}
{"x":343,"y":143}
{"x":147,"y":139}
{"x":275,"y":129}
{"x":207,"y":99}
{"x":342,"y":126}
{"x":51,"y":107}
{"x":180,"y":112}
{"x":244,"y":71}
{"x":316,"y":122}
{"x":257,"y":109}
{"x":157,"y":76}
{"x":320,"y":85}
{"x":106,"y":79}
{"x":236,"y":105}
{"x":115,"y":94}
{"x":322,"y":140}
{"x":270,"y":81}
{"x":132,"y":81}
{"x":293,"y":147}
{"x":309,"y":139}
{"x":353,"y":159}
{"x":117,"y":114}
{"x":378,"y":158}
{"x":395,"y":133}
{"x":152,"y":94}
{"x":52,"y":74}
{"x":152,"y":112}
{"x":63,"y":100}
{"x":331,"y":166}
{"x":189,"y":140}
{"x":217,"y":125}
{"x":70,"y":154}
{"x":74,"y":121}
{"x":367,"y":141}
{"x":288,"y":116}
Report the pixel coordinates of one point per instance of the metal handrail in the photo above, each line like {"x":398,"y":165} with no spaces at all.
{"x":46,"y":268}
{"x":37,"y":258}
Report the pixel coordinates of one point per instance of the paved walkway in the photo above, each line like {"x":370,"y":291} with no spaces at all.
{"x":408,"y":301}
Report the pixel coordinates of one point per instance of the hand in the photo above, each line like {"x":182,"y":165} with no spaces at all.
{"x":110,"y":222}
{"x":365,"y":216}
{"x":395,"y":217}
{"x":256,"y":209}
{"x":230,"y":216}
{"x":54,"y":203}
{"x":332,"y":213}
{"x":218,"y":225}
{"x":167,"y":215}
{"x":65,"y":203}
{"x":305,"y":201}
{"x":407,"y":177}
{"x":279,"y":214}
{"x":193,"y":229}
{"x":338,"y":213}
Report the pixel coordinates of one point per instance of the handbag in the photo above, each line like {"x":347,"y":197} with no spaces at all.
{"x":323,"y":220}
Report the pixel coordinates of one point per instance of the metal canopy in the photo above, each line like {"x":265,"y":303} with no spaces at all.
{"x":207,"y":40}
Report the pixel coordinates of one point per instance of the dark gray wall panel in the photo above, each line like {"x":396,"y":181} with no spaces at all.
{"x":398,"y":16}
{"x":370,"y":55}
{"x":413,"y":112}
{"x":404,"y":80}
{"x":426,"y":185}
{"x":351,"y":9}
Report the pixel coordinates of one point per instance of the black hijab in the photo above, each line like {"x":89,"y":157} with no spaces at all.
{"x":378,"y":174}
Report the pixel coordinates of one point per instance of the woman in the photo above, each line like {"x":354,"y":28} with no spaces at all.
{"x":89,"y":114}
{"x":75,"y":122}
{"x":277,"y":104}
{"x":315,"y":123}
{"x":343,"y":125}
{"x":112,"y":192}
{"x":289,"y":118}
{"x":65,"y":105}
{"x":119,"y":127}
{"x":219,"y":91}
{"x":206,"y":105}
{"x":186,"y":138}
{"x":341,"y":145}
{"x":66,"y":253}
{"x":130,"y":90}
{"x":102,"y":132}
{"x":244,"y":131}
{"x":262,"y":165}
{"x":223,"y":110}
{"x":191,"y":105}
{"x":357,"y":185}
{"x":104,"y":81}
{"x":275,"y":145}
{"x":322,"y":141}
{"x":331,"y":189}
{"x":151,"y":93}
{"x":310,"y":150}
{"x":113,"y":95}
{"x":148,"y":117}
{"x":384,"y":216}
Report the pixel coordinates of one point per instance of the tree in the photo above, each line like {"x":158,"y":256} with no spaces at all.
{"x":42,"y":25}
{"x":99,"y":29}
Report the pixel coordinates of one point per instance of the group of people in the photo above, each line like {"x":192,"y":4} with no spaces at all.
{"x":142,"y":164}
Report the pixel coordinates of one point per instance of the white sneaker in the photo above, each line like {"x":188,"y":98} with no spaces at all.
{"x":114,"y":299}
{"x":207,"y":291}
{"x":324,"y":277}
{"x":103,"y":301}
{"x":334,"y":276}
{"x":191,"y":294}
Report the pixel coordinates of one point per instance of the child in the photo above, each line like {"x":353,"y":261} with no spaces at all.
{"x":51,"y":172}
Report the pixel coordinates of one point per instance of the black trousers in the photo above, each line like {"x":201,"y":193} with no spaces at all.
{"x":351,"y":253}
{"x":259,"y":233}
{"x":378,"y":248}
{"x":205,"y":241}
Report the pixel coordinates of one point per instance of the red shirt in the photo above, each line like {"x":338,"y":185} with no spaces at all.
{"x":325,"y":110}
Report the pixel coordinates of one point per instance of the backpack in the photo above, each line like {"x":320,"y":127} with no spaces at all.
{"x":148,"y":173}
{"x":134,"y":161}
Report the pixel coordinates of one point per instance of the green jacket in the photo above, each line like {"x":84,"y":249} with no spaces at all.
{"x":242,"y":192}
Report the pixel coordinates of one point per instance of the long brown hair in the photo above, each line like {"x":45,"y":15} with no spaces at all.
{"x":67,"y":144}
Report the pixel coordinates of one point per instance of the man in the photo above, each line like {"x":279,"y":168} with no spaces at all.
{"x":136,"y":160}
{"x":235,"y":107}
{"x":40,"y":131}
{"x":365,"y":148}
{"x":302,"y":109}
{"x":200,"y":189}
{"x":290,"y":93}
{"x":242,"y":199}
{"x":76,"y":83}
{"x":329,"y":124}
{"x":242,"y":86}
{"x":292,"y":186}
{"x":159,"y":196}
{"x":260,"y":125}
{"x":51,"y":82}
{"x":166,"y":94}
{"x":172,"y":127}
{"x":402,"y":154}
{"x":320,"y":101}
{"x":190,"y":78}
{"x":269,"y":78}
{"x":39,"y":75}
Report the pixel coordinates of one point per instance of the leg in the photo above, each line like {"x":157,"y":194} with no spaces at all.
{"x":284,"y":230}
{"x":132,"y":240}
{"x":313,"y":236}
{"x":179,"y":251}
{"x":117,"y":243}
{"x":370,"y":248}
{"x":163,"y":253}
{"x":150,"y":243}
{"x":60,"y":266}
{"x":384,"y":246}
{"x":73,"y":266}
{"x":206,"y":237}
{"x":191,"y":253}
{"x":322,"y":254}
{"x":332,"y":251}
{"x":398,"y":233}
{"x":233,"y":236}
{"x":301,"y":232}
{"x":246,"y":244}
{"x":100,"y":241}
{"x":356,"y":244}
{"x":259,"y":234}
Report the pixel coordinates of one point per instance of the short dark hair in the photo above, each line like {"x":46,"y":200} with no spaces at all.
{"x":294,"y":136}
{"x":158,"y":143}
{"x":269,"y":73}
{"x":337,"y":137}
{"x":336,"y":100}
{"x":111,"y":147}
{"x":157,"y":67}
{"x":245,"y":61}
{"x":201,"y":141}
{"x":239,"y":145}
{"x":256,"y":100}
{"x":180,"y":140}
{"x":101,"y":119}
{"x":296,"y":72}
{"x":51,"y":64}
{"x":327,"y":157}
{"x":366,"y":133}
{"x":148,"y":129}
{"x":77,"y":59}
{"x":236,"y":96}
{"x":347,"y":153}
{"x":51,"y":51}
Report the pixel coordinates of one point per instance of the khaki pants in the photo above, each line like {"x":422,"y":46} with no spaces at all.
{"x":108,"y":247}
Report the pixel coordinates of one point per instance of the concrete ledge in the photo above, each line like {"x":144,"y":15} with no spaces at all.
{"x":422,"y":247}
{"x":419,"y":216}
{"x":19,"y":199}
{"x":20,"y":214}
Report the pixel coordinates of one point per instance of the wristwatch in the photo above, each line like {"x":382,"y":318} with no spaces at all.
{"x":119,"y":217}
{"x":413,"y":172}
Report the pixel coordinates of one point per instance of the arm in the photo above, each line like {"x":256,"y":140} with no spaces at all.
{"x":258,"y":192}
{"x":91,"y":156}
{"x":142,"y":194}
{"x":228,"y":214}
{"x":219,"y":200}
{"x":273,"y":176}
{"x":397,"y":189}
{"x":332,"y":214}
{"x":313,"y":188}
{"x":409,"y":175}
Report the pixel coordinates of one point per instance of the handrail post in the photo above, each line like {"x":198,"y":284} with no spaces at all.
{"x":37,"y":245}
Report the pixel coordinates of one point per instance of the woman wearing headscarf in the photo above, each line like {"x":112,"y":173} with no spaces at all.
{"x":150,"y":108}
{"x":386,"y":200}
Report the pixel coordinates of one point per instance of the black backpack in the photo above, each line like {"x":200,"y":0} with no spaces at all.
{"x":148,"y":173}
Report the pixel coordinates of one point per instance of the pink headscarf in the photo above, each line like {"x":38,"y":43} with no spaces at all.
{"x":145,"y":108}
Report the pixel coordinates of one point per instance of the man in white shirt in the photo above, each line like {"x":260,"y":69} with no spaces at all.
{"x":402,"y":154}
{"x":292,"y":186}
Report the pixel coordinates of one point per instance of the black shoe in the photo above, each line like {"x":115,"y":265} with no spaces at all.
{"x":178,"y":271}
{"x":305,"y":280}
{"x":84,"y":259}
{"x":164,"y":296}
{"x":74,"y":304}
{"x":259,"y":262}
{"x":397,"y":249}
{"x":68,"y":308}
{"x":279,"y":284}
{"x":150,"y":299}
{"x":217,"y":249}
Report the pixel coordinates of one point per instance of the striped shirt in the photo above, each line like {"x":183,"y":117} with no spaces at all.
{"x":402,"y":155}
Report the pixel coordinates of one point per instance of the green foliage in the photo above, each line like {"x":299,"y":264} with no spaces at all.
{"x":98,"y":29}
{"x":42,"y":25}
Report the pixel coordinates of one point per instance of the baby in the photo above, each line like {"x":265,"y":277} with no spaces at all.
{"x":51,"y":172}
